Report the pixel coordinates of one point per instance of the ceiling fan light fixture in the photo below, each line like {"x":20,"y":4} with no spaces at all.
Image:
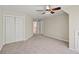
{"x":52,"y":12}
{"x":47,"y":7}
{"x":58,"y":8}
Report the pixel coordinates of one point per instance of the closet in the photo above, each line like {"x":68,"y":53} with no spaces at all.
{"x":14,"y":28}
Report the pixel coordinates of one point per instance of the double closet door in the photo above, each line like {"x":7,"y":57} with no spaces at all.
{"x":14,"y":28}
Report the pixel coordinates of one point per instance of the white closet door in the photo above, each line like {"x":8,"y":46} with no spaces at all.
{"x":20,"y":29}
{"x":10,"y":29}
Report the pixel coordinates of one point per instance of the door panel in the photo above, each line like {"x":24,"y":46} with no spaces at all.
{"x":20,"y":28}
{"x":10,"y":29}
{"x":13,"y":28}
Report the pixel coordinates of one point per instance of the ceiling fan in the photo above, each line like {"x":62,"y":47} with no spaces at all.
{"x":49,"y":9}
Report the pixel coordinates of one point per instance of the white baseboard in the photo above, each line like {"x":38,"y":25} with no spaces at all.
{"x":76,"y":50}
{"x":1,"y":46}
{"x":58,"y":38}
{"x":26,"y":38}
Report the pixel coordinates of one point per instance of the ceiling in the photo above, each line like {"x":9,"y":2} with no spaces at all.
{"x":29,"y":9}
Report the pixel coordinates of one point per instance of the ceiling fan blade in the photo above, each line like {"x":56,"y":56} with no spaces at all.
{"x":52,"y":12}
{"x":47,"y":10}
{"x":43,"y":13}
{"x":39,"y":10}
{"x":58,"y":8}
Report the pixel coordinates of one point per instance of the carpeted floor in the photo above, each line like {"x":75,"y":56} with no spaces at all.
{"x":38,"y":45}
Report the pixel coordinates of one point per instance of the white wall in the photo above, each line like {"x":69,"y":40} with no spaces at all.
{"x":56,"y":26}
{"x":29,"y":26}
{"x":1,"y":29}
{"x":41,"y":25}
{"x":73,"y":12}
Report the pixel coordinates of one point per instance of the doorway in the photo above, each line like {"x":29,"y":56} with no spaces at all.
{"x":34,"y":27}
{"x":38,"y":26}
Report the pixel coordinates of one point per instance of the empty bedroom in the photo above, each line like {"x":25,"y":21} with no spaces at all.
{"x":35,"y":29}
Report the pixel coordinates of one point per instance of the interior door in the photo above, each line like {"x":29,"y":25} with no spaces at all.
{"x":10,"y":29}
{"x":20,"y":28}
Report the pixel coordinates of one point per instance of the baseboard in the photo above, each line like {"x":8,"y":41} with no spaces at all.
{"x":56,"y":38}
{"x":74,"y":50}
{"x":26,"y":38}
{"x":17,"y":41}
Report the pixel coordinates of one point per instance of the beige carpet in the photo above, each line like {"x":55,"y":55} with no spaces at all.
{"x":38,"y":45}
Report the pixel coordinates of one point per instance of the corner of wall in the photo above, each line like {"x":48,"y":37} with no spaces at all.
{"x":29,"y":36}
{"x":58,"y":38}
